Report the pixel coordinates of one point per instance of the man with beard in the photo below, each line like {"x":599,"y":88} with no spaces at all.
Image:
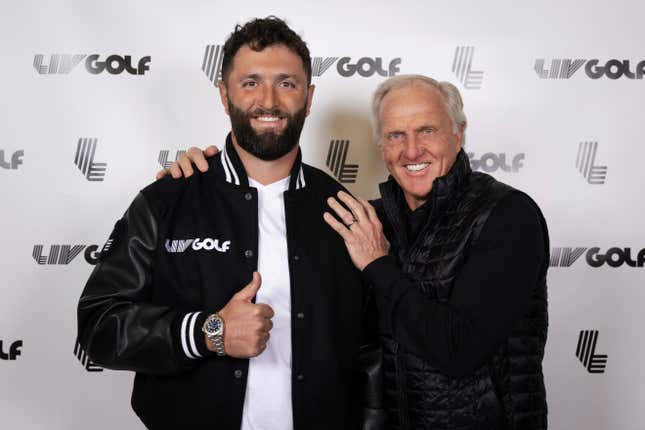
{"x":177,"y":295}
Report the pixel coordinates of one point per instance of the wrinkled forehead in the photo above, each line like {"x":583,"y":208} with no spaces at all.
{"x":411,"y":105}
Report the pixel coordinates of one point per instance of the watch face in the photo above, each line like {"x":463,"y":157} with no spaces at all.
{"x":213,"y":325}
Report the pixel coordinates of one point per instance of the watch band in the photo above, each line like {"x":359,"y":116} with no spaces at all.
{"x":218,"y":343}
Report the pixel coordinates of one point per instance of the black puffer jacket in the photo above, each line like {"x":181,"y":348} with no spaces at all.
{"x":506,"y":391}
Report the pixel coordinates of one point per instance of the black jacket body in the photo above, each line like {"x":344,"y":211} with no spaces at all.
{"x":180,"y":252}
{"x":444,"y":368}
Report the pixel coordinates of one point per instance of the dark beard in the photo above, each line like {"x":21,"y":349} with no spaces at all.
{"x":266,"y":146}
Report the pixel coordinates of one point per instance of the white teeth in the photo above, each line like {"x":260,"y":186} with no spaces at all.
{"x":416,"y":167}
{"x":268,"y":118}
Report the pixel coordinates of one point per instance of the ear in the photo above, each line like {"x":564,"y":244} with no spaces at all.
{"x":310,"y":97}
{"x":460,"y":136}
{"x":223,"y":95}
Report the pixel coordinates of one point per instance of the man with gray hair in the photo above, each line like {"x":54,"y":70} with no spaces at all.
{"x":461,"y":292}
{"x":457,"y":262}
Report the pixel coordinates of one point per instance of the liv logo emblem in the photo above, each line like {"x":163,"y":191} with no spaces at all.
{"x":84,"y":359}
{"x":84,"y":160}
{"x":337,"y":162}
{"x":586,"y":163}
{"x":462,"y":67}
{"x":586,"y":352}
{"x":212,"y":63}
{"x":163,"y":158}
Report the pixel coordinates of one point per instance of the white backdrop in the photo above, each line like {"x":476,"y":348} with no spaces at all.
{"x":46,"y":199}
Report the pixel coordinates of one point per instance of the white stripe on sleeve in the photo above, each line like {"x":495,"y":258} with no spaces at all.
{"x":184,"y":343}
{"x":191,"y":336}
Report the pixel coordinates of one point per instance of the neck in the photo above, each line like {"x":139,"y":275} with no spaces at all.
{"x":413,"y":202}
{"x":263,"y":171}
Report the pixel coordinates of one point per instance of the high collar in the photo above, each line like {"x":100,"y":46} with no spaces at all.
{"x":447,"y":186}
{"x":235,"y":173}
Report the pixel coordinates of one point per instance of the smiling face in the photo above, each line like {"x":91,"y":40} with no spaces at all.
{"x":267,"y":97}
{"x":417,"y":141}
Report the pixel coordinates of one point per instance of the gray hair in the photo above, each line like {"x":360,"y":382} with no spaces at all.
{"x":453,"y":103}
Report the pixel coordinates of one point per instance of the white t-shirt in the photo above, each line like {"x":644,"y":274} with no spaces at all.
{"x":267,"y":403}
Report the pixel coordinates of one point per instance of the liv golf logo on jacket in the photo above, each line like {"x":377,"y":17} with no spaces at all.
{"x":586,"y":352}
{"x":462,"y":67}
{"x":595,"y":257}
{"x":491,"y":162}
{"x":206,"y":244}
{"x":336,"y":161}
{"x":63,"y":64}
{"x":565,"y":68}
{"x":84,"y":160}
{"x":586,"y":163}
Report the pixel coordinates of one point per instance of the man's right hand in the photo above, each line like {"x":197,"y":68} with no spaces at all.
{"x":246,"y":324}
{"x":183,"y":165}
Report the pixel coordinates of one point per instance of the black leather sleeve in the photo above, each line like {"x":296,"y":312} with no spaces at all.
{"x":118,"y":325}
{"x":370,"y":364}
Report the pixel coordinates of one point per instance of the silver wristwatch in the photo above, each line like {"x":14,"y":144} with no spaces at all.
{"x":214,"y":329}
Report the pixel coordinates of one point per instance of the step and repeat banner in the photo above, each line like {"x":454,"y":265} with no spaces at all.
{"x":98,"y":96}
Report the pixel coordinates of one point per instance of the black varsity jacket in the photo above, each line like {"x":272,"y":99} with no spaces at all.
{"x":180,"y":252}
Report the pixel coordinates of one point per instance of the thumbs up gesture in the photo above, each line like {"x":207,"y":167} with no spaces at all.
{"x":246,"y":324}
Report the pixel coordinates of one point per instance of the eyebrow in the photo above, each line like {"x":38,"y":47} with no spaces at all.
{"x":281,"y":77}
{"x":253,"y":76}
{"x":416,"y":130}
{"x":423,"y":127}
{"x":388,"y":132}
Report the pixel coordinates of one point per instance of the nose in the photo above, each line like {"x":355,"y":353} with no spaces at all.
{"x":268,"y":99}
{"x":411,"y":149}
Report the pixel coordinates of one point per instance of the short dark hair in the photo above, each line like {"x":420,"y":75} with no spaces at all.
{"x":260,"y":33}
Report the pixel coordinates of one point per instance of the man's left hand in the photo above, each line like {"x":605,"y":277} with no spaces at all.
{"x":361,"y":229}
